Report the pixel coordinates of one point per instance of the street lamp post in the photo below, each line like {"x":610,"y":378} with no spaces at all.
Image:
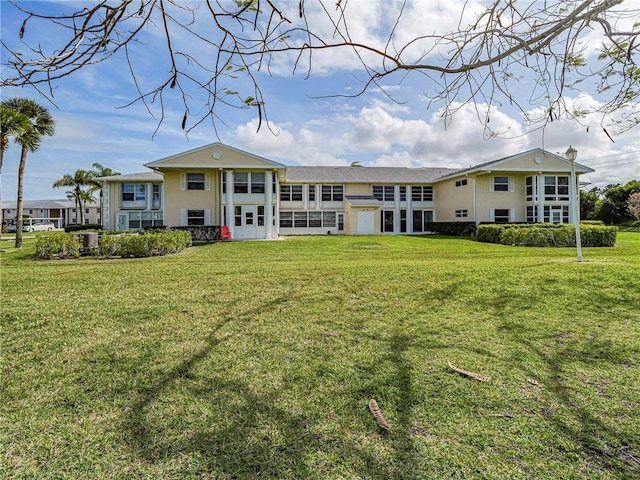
{"x":572,"y":153}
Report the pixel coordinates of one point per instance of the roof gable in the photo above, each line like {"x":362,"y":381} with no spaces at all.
{"x":535,"y":160}
{"x":215,"y":155}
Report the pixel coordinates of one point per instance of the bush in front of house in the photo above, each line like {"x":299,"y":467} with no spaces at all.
{"x":72,"y":227}
{"x":147,"y":244}
{"x":547,"y":235}
{"x":57,"y":245}
{"x":456,"y":229}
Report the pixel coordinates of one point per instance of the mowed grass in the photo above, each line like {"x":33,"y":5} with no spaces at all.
{"x":258,"y":359}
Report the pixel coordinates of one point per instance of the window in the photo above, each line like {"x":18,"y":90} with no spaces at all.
{"x":315,"y":219}
{"x":195,"y":181}
{"x":312,"y":193}
{"x":422,"y":194}
{"x":86,"y":210}
{"x":290,"y":193}
{"x":461,"y":213}
{"x":420,"y":220}
{"x":257,"y":182}
{"x":386,"y":220}
{"x":529,"y":189}
{"x":532,"y":214}
{"x":156,"y":195}
{"x":133,"y":192}
{"x":303,"y":219}
{"x":286,"y":219}
{"x":195,"y":217}
{"x":97,"y":210}
{"x":403,"y":221}
{"x":501,"y":215}
{"x":248,"y":217}
{"x":237,"y":216}
{"x":500,"y":184}
{"x":556,"y":213}
{"x":332,"y":193}
{"x":260,"y":215}
{"x":134,"y":220}
{"x":384,"y":193}
{"x":241,"y":182}
{"x":403,"y":194}
{"x":461,"y":183}
{"x":556,"y":188}
{"x":30,"y":212}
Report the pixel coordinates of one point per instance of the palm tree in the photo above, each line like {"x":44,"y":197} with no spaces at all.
{"x":40,"y":123}
{"x":80,"y":179}
{"x":12,"y":123}
{"x":100,"y":171}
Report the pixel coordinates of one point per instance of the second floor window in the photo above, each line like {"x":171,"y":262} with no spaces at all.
{"x":291,"y":193}
{"x":133,"y":192}
{"x":500,"y":184}
{"x":384,"y":193}
{"x":422,"y":194}
{"x":332,"y":193}
{"x":195,"y":181}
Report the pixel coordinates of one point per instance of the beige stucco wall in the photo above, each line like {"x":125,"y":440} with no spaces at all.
{"x":448,"y":198}
{"x":358,"y":189}
{"x":176,"y":199}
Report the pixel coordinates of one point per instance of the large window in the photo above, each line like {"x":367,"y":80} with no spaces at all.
{"x":384,"y":193}
{"x":304,"y":219}
{"x":257,"y":182}
{"x":195,"y":181}
{"x":291,"y":193}
{"x":500,"y":184}
{"x":420,"y":220}
{"x":422,"y":194}
{"x":556,"y":188}
{"x":332,"y":193}
{"x":551,"y":214}
{"x":133,"y":192}
{"x":240,"y":182}
{"x":195,"y":217}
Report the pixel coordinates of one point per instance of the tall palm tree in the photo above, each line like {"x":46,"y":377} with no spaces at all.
{"x":12,"y":123}
{"x":80,"y":179}
{"x":40,"y":124}
{"x":101,"y":171}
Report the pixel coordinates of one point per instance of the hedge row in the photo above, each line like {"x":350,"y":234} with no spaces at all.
{"x":547,"y":235}
{"x":68,"y":245}
{"x":72,"y":227}
{"x":458,"y":229}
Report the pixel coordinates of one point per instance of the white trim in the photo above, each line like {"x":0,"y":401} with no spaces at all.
{"x":183,"y":181}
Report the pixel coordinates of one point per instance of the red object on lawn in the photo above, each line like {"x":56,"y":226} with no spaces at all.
{"x":225,"y":234}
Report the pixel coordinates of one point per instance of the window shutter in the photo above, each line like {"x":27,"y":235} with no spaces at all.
{"x":183,"y":217}
{"x":492,"y":215}
{"x":207,"y":182}
{"x":512,"y":184}
{"x":183,"y":181}
{"x":207,"y":216}
{"x":491,"y":184}
{"x":512,"y":214}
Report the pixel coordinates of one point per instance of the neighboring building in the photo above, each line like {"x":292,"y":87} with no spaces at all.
{"x":259,"y":198}
{"x":60,"y":212}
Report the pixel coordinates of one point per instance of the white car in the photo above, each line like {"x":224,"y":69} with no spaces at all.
{"x":32,"y":227}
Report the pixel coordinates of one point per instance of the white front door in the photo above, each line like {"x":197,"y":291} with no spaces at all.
{"x":366,"y":222}
{"x":249,"y":222}
{"x":556,"y":214}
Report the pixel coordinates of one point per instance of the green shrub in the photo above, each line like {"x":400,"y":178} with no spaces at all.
{"x":591,"y":222}
{"x":547,"y":235}
{"x":82,"y":228}
{"x":457,"y":229}
{"x":57,"y":245}
{"x":147,"y":244}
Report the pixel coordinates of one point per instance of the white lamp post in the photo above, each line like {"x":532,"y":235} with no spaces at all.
{"x":571,"y":154}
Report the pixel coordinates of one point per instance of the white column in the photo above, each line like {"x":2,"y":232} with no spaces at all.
{"x":230,"y":216}
{"x":409,"y":211}
{"x":540,"y":198}
{"x":268,"y":209}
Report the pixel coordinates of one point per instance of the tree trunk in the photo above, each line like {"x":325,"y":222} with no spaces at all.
{"x":19,"y":208}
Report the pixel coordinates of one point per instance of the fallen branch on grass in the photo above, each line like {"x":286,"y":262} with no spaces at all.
{"x":375,"y":410}
{"x":468,"y":373}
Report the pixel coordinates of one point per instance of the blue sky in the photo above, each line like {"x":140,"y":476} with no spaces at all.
{"x":307,"y":127}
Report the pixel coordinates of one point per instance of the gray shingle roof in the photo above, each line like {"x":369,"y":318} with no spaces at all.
{"x":365,"y":174}
{"x":363,"y":200}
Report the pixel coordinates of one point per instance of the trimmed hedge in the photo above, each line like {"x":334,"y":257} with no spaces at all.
{"x":82,"y":228}
{"x":201,"y":233}
{"x":149,"y":244}
{"x":57,"y":245}
{"x":547,"y":235}
{"x":68,"y":245}
{"x":457,"y":229}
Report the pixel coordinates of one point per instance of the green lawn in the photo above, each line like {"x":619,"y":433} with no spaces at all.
{"x":258,"y":360}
